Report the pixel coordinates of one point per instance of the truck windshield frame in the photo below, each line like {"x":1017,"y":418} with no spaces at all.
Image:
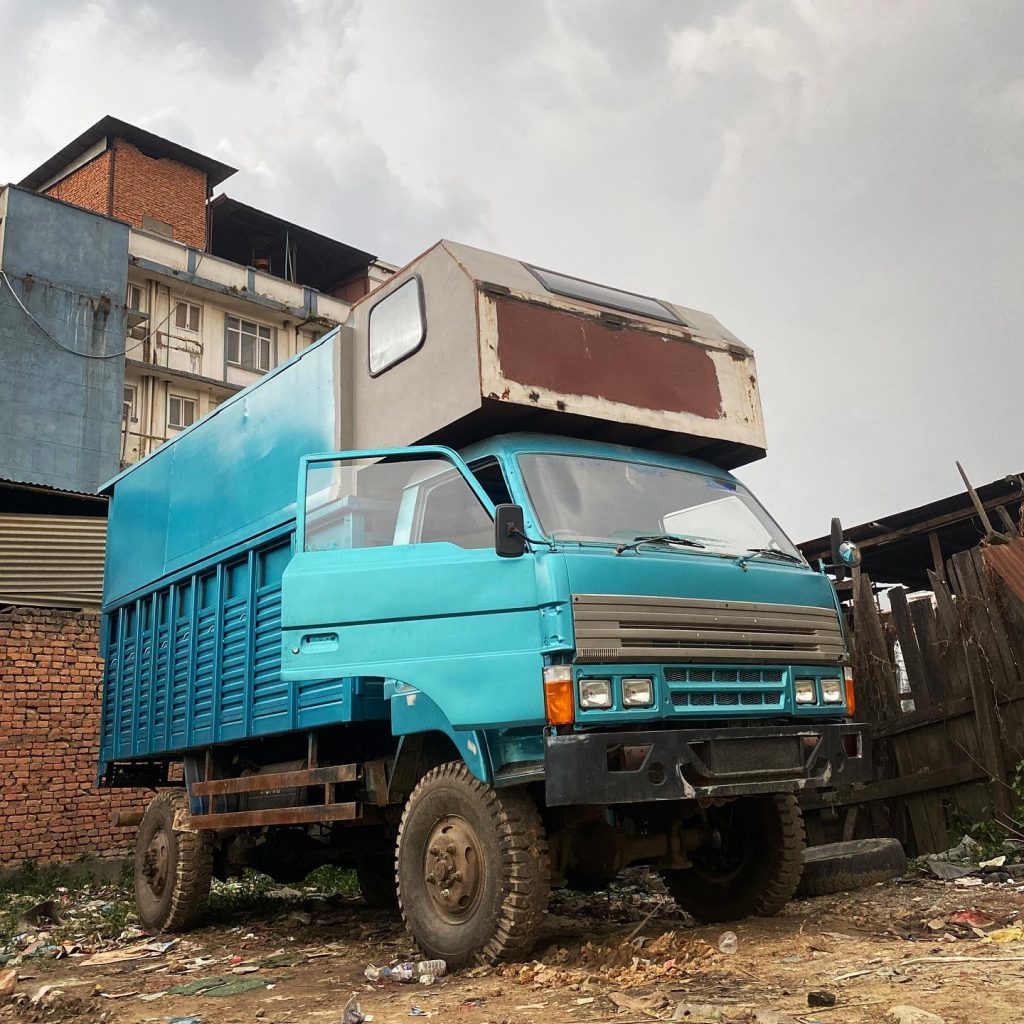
{"x":598,"y":499}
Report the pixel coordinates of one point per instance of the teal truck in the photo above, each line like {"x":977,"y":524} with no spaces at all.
{"x":465,"y":597}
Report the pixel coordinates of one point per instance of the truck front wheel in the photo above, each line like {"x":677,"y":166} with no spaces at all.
{"x":473,"y":871}
{"x":173,"y":866}
{"x":751,"y":865}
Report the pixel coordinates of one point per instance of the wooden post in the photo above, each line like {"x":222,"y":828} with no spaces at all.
{"x":913,"y":661}
{"x":940,"y":565}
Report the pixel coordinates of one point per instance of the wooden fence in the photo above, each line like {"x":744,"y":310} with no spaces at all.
{"x":949,"y":728}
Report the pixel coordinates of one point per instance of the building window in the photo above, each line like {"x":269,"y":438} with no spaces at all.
{"x":249,"y":344}
{"x":128,"y":405}
{"x":186,"y":317}
{"x":181,"y":412}
{"x":134,"y":300}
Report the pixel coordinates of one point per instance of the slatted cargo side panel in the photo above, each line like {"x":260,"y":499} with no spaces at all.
{"x":143,"y":695}
{"x":201,"y":721}
{"x":181,"y":669}
{"x":234,"y":651}
{"x":271,"y":709}
{"x":161,"y":673}
{"x":128,"y":681}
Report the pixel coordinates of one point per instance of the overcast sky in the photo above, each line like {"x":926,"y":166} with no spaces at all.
{"x":839,"y":183}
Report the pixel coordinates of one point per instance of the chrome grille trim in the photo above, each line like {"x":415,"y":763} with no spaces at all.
{"x":619,"y":628}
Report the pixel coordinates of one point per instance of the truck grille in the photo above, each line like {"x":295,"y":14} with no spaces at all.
{"x":620,"y":628}
{"x":727,"y":699}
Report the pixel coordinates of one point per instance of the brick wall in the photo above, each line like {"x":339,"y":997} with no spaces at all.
{"x":163,"y":189}
{"x":86,"y":187}
{"x":50,"y":680}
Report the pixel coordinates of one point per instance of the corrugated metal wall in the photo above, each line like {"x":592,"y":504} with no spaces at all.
{"x":53,"y":561}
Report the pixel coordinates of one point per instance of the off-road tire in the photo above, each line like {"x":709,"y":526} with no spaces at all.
{"x":376,"y":877}
{"x":178,"y":903}
{"x":839,"y":867}
{"x":770,"y":835}
{"x":512,"y":851}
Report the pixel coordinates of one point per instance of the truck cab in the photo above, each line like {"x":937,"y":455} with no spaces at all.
{"x":474,"y":671}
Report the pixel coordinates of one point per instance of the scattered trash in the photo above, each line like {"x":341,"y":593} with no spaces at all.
{"x":218,"y":985}
{"x":8,"y":982}
{"x":821,"y":999}
{"x":185,"y":1020}
{"x":698,"y":1013}
{"x":971,"y":919}
{"x":141,"y":951}
{"x":426,"y":972}
{"x":914,"y":1015}
{"x":353,"y":1014}
{"x":995,"y":862}
{"x":1014,"y":934}
{"x":40,"y":916}
{"x":968,"y":882}
{"x":415,"y":1011}
{"x":728,"y":943}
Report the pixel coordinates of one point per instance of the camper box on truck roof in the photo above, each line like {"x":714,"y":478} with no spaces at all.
{"x":463,"y":344}
{"x":458,"y":346}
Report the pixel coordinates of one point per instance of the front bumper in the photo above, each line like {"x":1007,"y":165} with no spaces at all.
{"x":681,"y":764}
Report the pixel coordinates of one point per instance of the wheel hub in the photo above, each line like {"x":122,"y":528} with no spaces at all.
{"x":452,"y":868}
{"x":156,"y":863}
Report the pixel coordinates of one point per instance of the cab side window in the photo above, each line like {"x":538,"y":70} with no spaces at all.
{"x":450,"y":511}
{"x":490,"y":477}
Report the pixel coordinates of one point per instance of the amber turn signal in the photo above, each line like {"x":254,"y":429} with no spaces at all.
{"x":558,"y":698}
{"x":851,"y":696}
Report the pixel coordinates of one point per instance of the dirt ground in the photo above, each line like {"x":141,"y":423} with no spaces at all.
{"x":624,"y":956}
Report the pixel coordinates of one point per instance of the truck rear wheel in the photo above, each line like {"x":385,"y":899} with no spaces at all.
{"x":173,"y":866}
{"x":752,"y":866}
{"x":473,"y":872}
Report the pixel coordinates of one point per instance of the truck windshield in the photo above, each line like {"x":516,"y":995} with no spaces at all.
{"x":613,"y":501}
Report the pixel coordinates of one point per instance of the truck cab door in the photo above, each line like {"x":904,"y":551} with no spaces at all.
{"x":395,"y":576}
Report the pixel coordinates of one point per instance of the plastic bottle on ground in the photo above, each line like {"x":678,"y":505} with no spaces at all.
{"x":728,"y":943}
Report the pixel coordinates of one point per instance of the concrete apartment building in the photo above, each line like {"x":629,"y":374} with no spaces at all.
{"x":217,"y":293}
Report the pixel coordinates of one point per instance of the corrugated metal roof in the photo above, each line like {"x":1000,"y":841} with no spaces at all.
{"x":36,"y":486}
{"x":53,"y":561}
{"x":1008,"y":561}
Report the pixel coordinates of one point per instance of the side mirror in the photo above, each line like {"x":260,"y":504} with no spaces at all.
{"x":849,"y":554}
{"x":845,"y":554}
{"x":509,"y":531}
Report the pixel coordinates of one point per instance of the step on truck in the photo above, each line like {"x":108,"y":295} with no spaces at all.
{"x":465,"y":597}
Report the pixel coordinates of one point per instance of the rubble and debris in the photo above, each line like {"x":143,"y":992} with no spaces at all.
{"x":353,"y":1014}
{"x":8,"y":981}
{"x":914,"y":1015}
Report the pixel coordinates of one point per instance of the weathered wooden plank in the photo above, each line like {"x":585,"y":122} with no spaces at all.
{"x":277,"y":816}
{"x":913,"y":660}
{"x":1004,"y":669}
{"x":878,"y":697}
{"x":887,"y":789}
{"x":278,"y":780}
{"x":990,"y":740}
{"x":922,"y":614}
{"x":952,"y":652}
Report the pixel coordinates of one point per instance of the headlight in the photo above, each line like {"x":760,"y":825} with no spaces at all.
{"x":806,"y":691}
{"x":595,"y":693}
{"x":637,"y":693}
{"x":832,"y":691}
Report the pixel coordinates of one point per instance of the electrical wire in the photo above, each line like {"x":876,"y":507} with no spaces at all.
{"x":111,"y":355}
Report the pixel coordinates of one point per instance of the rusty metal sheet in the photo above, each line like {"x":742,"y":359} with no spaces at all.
{"x":582,"y":355}
{"x":1008,"y":561}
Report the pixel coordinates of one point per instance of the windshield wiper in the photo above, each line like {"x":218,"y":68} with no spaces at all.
{"x":782,"y":556}
{"x":658,"y":538}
